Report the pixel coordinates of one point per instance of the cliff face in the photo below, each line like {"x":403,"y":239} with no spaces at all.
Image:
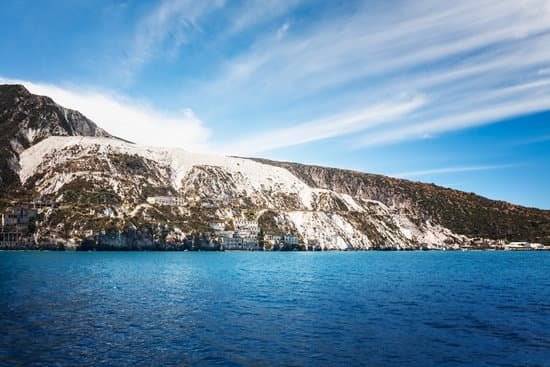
{"x":101,"y":194}
{"x":26,"y":119}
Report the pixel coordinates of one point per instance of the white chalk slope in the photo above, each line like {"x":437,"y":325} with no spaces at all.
{"x":312,"y":216}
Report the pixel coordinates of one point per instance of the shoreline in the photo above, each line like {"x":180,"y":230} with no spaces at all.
{"x":273,"y":251}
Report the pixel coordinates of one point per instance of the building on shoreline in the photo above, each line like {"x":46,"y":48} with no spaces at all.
{"x":291,"y":240}
{"x":17,"y":226}
{"x":524,"y":246}
{"x":239,"y":243}
{"x":17,"y":219}
{"x":245,"y":236}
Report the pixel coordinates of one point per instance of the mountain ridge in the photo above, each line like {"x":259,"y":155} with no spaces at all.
{"x":26,"y":118}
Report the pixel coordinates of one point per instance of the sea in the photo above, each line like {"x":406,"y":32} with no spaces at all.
{"x":275,"y":308}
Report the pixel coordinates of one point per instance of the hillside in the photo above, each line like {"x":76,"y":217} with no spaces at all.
{"x":461,"y":212}
{"x":95,"y":191}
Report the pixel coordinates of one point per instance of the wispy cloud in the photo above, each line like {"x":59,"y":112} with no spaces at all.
{"x":454,"y":121}
{"x":439,"y":171}
{"x":360,"y":45}
{"x":476,"y":62}
{"x":128,"y":119}
{"x":255,"y":12}
{"x":332,"y":126}
{"x":534,"y":140}
{"x":350,"y":69}
{"x":174,"y":23}
{"x":164,"y":30}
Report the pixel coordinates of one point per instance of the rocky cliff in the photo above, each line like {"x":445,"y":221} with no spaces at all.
{"x":26,"y":119}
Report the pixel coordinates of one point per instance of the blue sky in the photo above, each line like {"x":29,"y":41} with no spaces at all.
{"x":455,"y":93}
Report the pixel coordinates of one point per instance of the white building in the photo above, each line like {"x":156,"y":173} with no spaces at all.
{"x":250,"y":242}
{"x":524,"y":246}
{"x":250,"y":225}
{"x":291,"y":240}
{"x":228,"y":234}
{"x":237,"y":243}
{"x":166,"y":200}
{"x":231,"y":243}
{"x":246,"y":228}
{"x":517,"y":246}
{"x":17,"y":218}
{"x":273,"y":239}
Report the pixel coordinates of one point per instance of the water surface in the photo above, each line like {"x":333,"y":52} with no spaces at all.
{"x":269,"y":309}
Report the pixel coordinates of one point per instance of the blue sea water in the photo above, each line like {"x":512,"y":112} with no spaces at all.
{"x":272,"y":309}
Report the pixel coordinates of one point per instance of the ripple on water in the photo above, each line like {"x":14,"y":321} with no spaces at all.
{"x":268,"y":309}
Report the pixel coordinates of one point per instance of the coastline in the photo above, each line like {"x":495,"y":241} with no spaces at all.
{"x":547,"y":248}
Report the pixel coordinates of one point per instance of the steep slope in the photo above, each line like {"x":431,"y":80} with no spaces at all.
{"x":465,"y":213}
{"x":112,"y":179}
{"x":26,"y":119}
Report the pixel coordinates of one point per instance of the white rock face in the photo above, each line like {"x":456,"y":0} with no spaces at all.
{"x":328,"y":231}
{"x":328,"y":219}
{"x":255,"y":175}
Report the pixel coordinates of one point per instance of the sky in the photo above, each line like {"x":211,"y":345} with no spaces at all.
{"x":451,"y":92}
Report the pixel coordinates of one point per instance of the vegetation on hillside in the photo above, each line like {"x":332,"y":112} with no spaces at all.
{"x":463,"y":213}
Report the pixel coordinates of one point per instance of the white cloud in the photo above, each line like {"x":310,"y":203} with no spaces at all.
{"x":437,"y":171}
{"x":165,"y":30}
{"x":126,"y":118}
{"x":361,"y":45}
{"x":517,"y":88}
{"x":254,"y":12}
{"x":173,"y":23}
{"x":534,"y":140}
{"x":337,"y":125}
{"x":476,"y":62}
{"x":459,"y":120}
